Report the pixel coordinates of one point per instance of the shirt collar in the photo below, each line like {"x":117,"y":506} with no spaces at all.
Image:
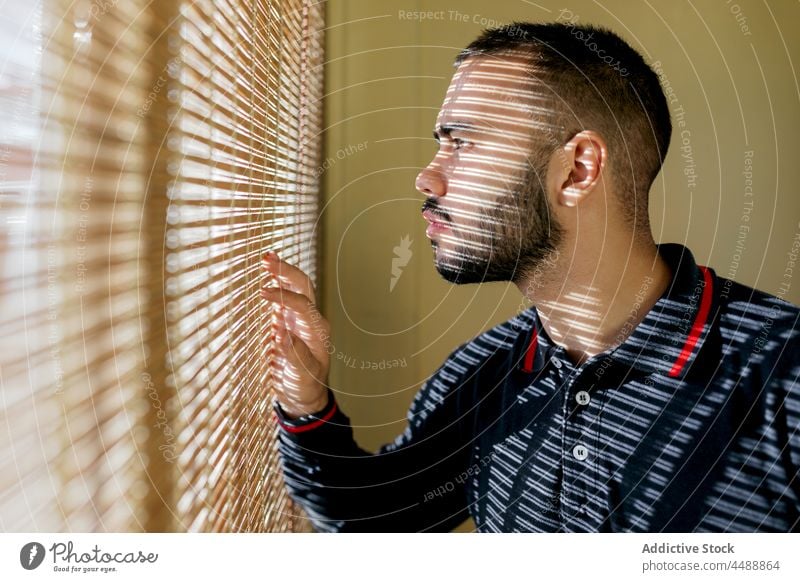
{"x":669,"y":338}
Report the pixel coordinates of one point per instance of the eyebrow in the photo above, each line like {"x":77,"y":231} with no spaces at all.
{"x":447,"y":128}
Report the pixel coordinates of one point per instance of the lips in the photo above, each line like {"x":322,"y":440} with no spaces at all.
{"x":436,"y":224}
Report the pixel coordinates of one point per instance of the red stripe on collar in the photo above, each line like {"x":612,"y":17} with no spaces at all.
{"x":697,"y":327}
{"x":530,"y":354}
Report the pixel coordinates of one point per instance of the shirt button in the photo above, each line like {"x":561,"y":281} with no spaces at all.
{"x":582,"y":398}
{"x":580,"y":452}
{"x":556,"y":362}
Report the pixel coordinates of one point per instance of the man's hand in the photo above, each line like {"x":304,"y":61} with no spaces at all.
{"x":303,"y":338}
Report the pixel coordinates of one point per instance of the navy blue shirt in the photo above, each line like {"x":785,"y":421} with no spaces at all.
{"x":692,"y":423}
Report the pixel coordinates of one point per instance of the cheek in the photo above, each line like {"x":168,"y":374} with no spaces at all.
{"x":483,"y":186}
{"x":493,"y":164}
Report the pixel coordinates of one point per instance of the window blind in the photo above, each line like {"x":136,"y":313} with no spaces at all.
{"x":245,"y":141}
{"x":150,"y":153}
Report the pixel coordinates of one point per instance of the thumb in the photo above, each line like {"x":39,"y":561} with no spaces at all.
{"x":299,"y":355}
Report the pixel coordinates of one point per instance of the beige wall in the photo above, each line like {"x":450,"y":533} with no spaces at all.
{"x":386,"y":78}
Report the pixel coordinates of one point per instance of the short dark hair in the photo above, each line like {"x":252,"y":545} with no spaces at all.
{"x":596,"y":81}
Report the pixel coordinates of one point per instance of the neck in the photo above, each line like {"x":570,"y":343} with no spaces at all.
{"x":589,"y":304}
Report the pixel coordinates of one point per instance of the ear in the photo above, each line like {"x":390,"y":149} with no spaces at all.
{"x":585,"y":159}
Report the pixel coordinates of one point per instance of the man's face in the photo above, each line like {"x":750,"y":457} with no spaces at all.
{"x":487,"y":202}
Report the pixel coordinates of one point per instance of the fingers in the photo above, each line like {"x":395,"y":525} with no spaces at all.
{"x":297,"y":302}
{"x":301,"y":332}
{"x":302,"y":318}
{"x":289,"y":275}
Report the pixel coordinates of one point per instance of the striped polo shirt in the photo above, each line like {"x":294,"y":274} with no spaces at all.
{"x":692,"y":423}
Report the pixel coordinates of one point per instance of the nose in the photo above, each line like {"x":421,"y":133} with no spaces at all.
{"x":432,"y":181}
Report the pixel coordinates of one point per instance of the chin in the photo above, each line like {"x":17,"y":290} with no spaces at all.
{"x":461,"y":268}
{"x":455,"y":276}
{"x":461,"y":273}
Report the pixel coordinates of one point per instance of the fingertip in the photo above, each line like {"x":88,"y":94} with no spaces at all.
{"x":268,"y":259}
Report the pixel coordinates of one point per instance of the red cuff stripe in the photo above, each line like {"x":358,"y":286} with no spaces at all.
{"x":697,"y":327}
{"x":310,"y":425}
{"x":527,"y":366}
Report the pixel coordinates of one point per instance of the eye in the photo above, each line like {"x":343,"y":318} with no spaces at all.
{"x":459,"y":143}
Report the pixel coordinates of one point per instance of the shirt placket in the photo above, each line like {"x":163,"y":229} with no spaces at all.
{"x":579,"y":442}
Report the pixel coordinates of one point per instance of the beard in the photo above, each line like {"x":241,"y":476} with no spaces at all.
{"x":506,"y":242}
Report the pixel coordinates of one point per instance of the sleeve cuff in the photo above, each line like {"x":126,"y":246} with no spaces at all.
{"x":309,"y":421}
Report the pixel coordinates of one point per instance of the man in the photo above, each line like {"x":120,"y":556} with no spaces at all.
{"x":642,"y":392}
